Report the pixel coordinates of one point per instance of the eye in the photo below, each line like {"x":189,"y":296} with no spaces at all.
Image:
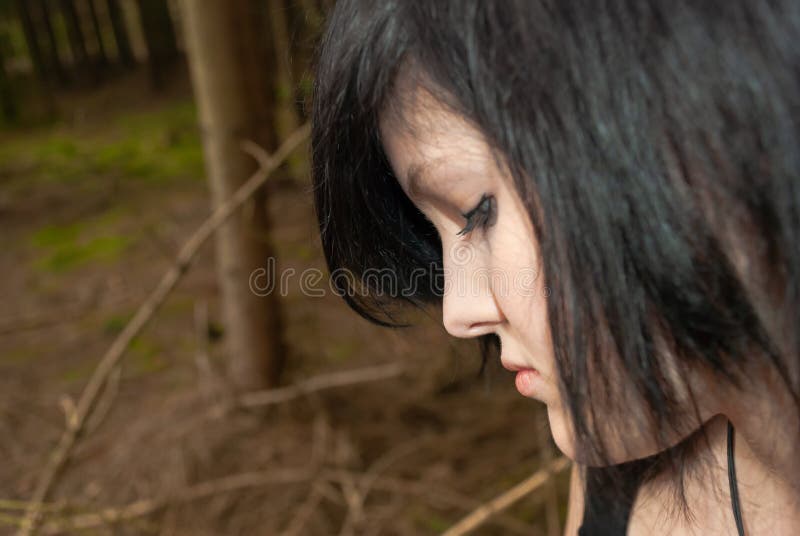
{"x":482,"y":215}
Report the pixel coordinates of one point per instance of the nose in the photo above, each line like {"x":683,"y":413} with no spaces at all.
{"x":469,"y":306}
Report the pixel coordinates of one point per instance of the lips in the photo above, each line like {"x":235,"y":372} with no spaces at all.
{"x":514,"y":367}
{"x":528,"y":383}
{"x":528,"y":379}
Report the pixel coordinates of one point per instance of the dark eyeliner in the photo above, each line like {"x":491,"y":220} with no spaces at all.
{"x":481,"y":215}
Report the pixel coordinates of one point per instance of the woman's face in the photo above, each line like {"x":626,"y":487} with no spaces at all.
{"x":492,"y":278}
{"x":492,"y":268}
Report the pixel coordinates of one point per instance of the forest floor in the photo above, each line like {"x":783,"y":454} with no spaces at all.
{"x":92,"y":211}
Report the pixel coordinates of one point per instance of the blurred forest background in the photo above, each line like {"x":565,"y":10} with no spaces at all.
{"x":154,"y":153}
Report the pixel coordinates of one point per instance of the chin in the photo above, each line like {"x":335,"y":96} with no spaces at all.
{"x":564,"y":438}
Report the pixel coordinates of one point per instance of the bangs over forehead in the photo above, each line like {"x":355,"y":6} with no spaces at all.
{"x":380,"y":249}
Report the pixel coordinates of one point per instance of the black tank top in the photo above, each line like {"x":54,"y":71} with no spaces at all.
{"x":605,"y":514}
{"x":608,"y":517}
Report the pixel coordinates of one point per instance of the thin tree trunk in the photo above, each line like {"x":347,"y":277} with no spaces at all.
{"x":53,"y":55}
{"x":228,"y":66}
{"x":306,"y":22}
{"x":76,"y":39}
{"x":159,"y":36}
{"x":98,"y":32}
{"x":8,"y":102}
{"x":30,"y":29}
{"x":286,"y":117}
{"x":124,"y":50}
{"x":32,"y":40}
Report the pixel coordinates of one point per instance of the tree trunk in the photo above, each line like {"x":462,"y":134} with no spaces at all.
{"x":8,"y":103}
{"x":77,"y":43}
{"x":159,"y":36}
{"x":98,"y":32}
{"x":286,"y":117}
{"x":53,"y":55}
{"x":228,"y":66}
{"x":32,"y":40}
{"x":124,"y":50}
{"x":40,"y":63}
{"x":307,"y":22}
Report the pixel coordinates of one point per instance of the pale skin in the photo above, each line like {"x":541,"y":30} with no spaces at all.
{"x":445,"y":167}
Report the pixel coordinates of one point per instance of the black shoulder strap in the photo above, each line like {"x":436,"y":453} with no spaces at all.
{"x":737,"y":512}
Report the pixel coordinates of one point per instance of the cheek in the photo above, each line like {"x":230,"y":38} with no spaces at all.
{"x":523,"y":301}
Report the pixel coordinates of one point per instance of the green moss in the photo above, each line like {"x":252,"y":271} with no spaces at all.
{"x":156,"y":146}
{"x":70,"y":245}
{"x":53,"y":236}
{"x":57,"y":148}
{"x":284,"y":93}
{"x":79,"y":372}
{"x":306,"y":84}
{"x":72,"y":254}
{"x":303,"y":252}
{"x":431,"y":522}
{"x":16,"y":356}
{"x":114,"y":324}
{"x":341,"y":351}
{"x":146,"y":357}
{"x":179,"y":305}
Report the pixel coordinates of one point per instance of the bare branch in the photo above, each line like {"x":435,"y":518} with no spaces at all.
{"x":319,"y":383}
{"x":199,"y":491}
{"x":108,"y":363}
{"x":501,"y":502}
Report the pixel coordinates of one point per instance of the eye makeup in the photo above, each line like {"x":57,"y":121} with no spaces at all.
{"x":483,"y":214}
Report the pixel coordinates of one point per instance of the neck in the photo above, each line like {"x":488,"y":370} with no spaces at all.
{"x":767,"y":435}
{"x":766,"y":479}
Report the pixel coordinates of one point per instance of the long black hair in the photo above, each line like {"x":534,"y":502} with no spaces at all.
{"x":656,"y":146}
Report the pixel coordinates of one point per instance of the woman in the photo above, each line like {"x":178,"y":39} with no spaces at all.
{"x":609,"y":194}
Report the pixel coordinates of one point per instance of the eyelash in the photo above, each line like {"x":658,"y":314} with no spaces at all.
{"x":482,"y":215}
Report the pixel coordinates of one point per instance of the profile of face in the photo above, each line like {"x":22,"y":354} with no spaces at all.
{"x":493,"y":282}
{"x":492,"y":268}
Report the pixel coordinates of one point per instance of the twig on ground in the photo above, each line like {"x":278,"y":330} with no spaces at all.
{"x":440,"y":495}
{"x":280,"y":395}
{"x":146,"y":507}
{"x":503,"y":501}
{"x":170,"y":279}
{"x":319,"y":383}
{"x":11,"y":504}
{"x":321,"y":479}
{"x":361,"y":487}
{"x":105,"y":403}
{"x":305,"y":511}
{"x":319,"y":447}
{"x":6,"y":519}
{"x":355,"y":509}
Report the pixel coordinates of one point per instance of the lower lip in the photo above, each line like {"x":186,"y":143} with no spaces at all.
{"x":527,"y":382}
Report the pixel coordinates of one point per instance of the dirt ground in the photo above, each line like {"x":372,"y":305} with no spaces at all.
{"x":92,"y":212}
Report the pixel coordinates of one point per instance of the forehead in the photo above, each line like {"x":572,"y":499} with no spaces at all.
{"x":421,"y":136}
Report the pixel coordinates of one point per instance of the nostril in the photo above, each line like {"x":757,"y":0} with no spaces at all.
{"x":482,"y":328}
